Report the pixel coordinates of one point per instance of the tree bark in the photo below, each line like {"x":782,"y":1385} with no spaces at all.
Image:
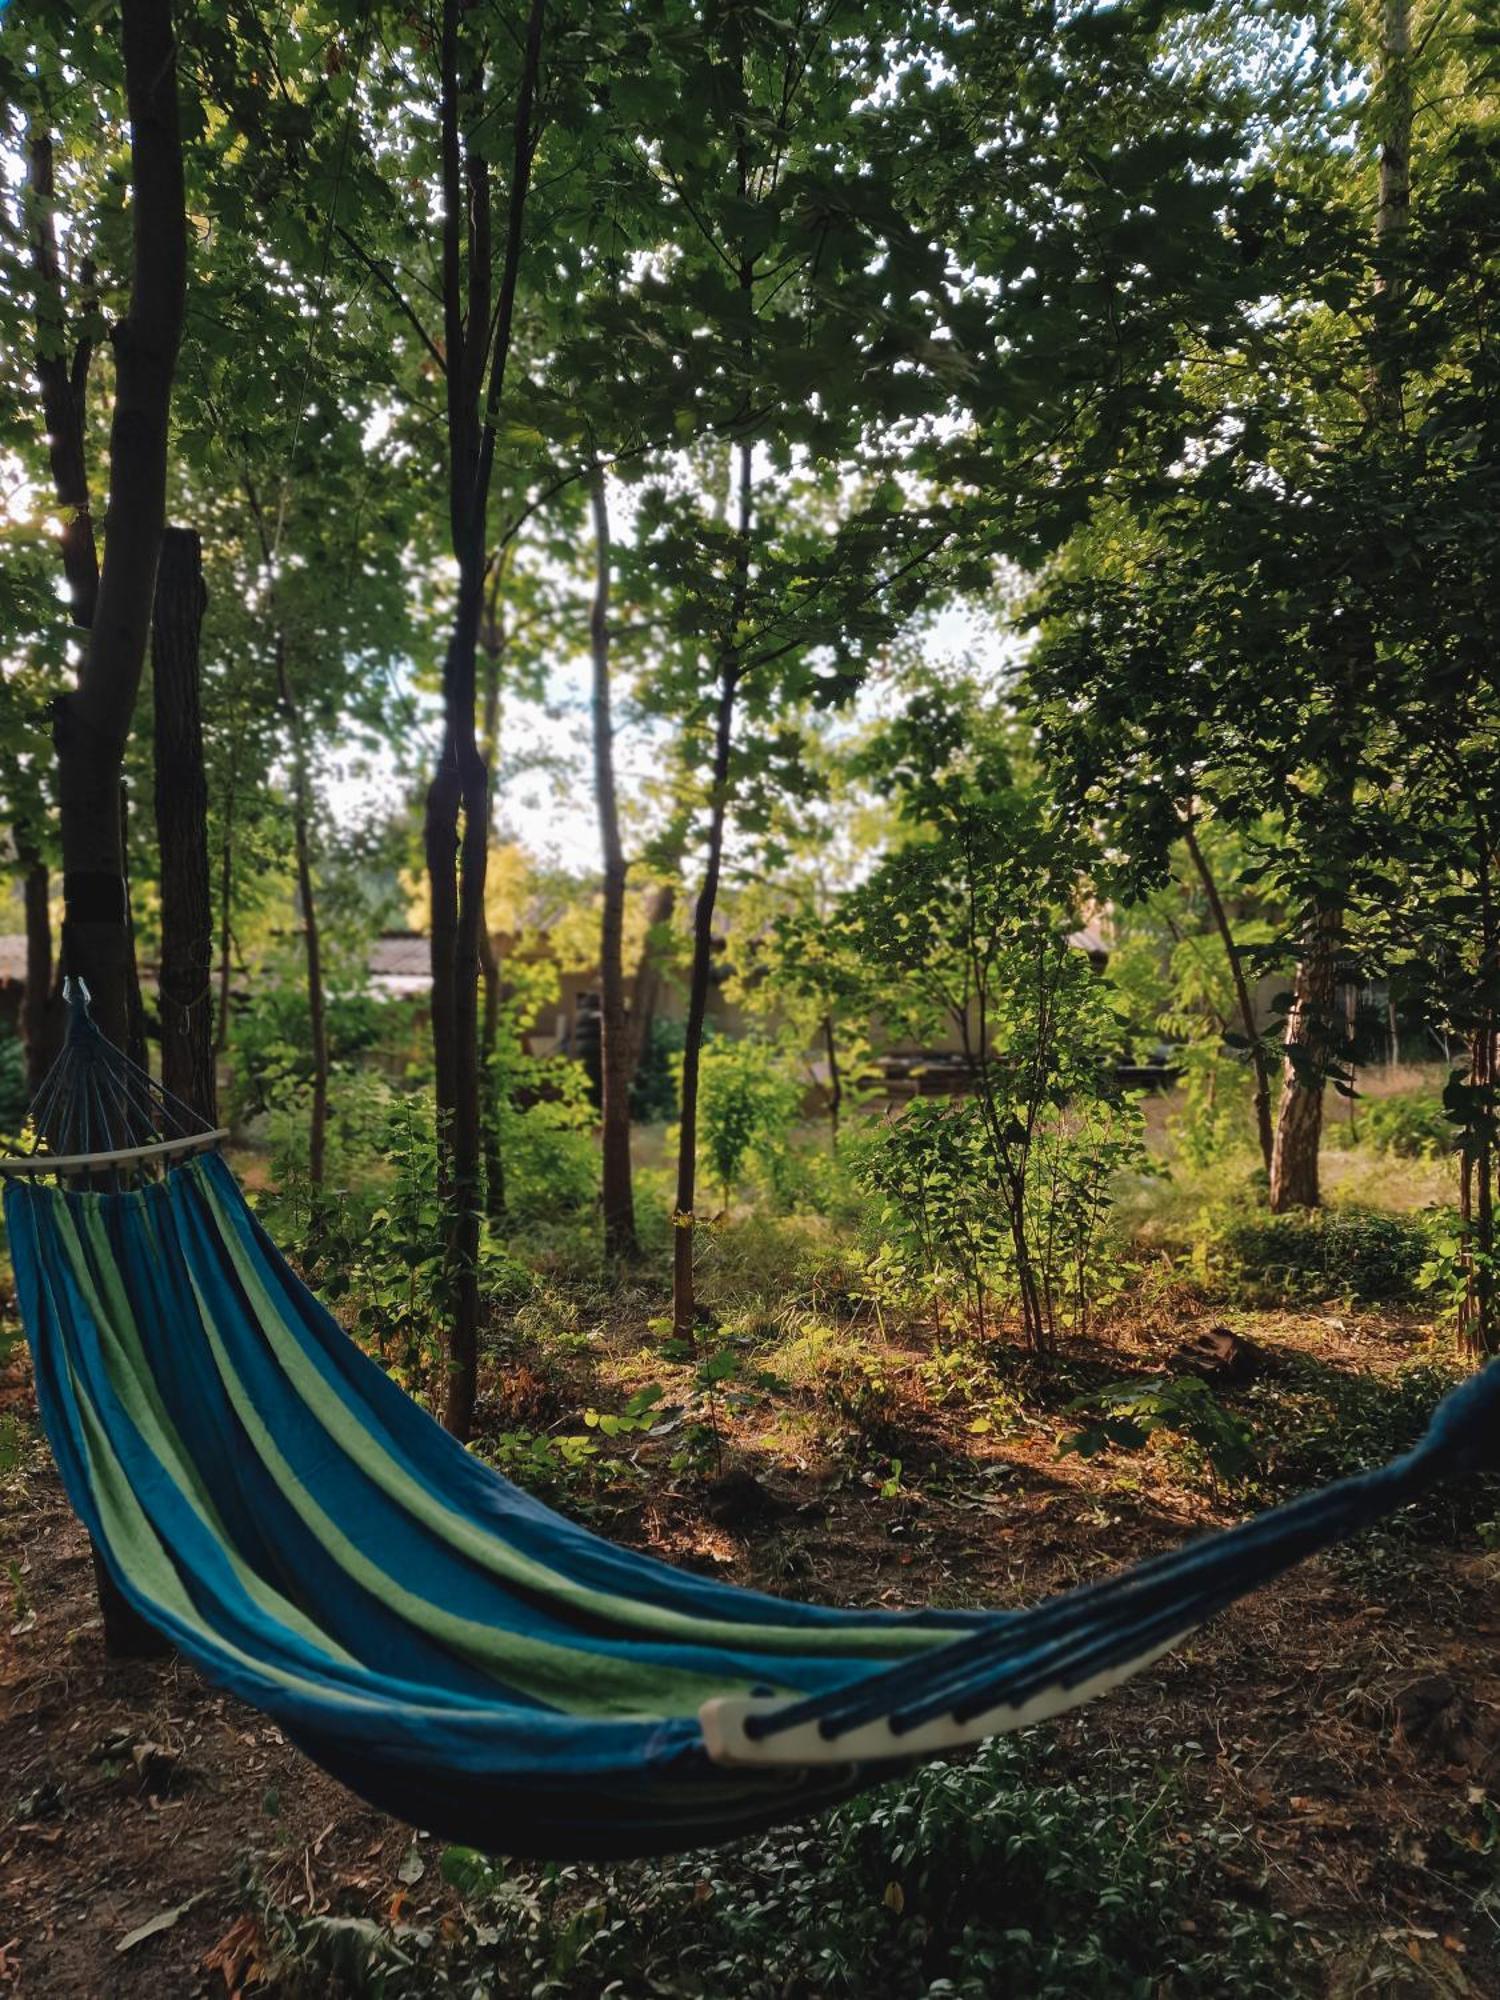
{"x":684,"y":1301}
{"x":492,"y":1085}
{"x":1243,"y":1001}
{"x":307,"y":896}
{"x":1309,"y":1037}
{"x":620,"y":1239}
{"x":92,"y":723}
{"x":185,"y":999}
{"x":226,"y":902}
{"x":1310,"y":1025}
{"x":456,"y":826}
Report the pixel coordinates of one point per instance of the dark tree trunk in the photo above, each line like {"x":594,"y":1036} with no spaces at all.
{"x":186,"y":978}
{"x":307,"y":896}
{"x":492,"y":1084}
{"x":226,"y":905}
{"x":1309,"y":1039}
{"x":615,"y":1067}
{"x":684,"y":1300}
{"x":92,"y":723}
{"x":456,"y":827}
{"x":1257,"y":1051}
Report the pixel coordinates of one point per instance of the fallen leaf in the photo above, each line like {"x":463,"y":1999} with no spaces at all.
{"x":162,"y":1922}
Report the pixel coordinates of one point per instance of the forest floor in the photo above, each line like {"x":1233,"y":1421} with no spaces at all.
{"x":1342,"y":1728}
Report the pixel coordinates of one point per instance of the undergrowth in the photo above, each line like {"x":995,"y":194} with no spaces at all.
{"x":1000,"y":1876}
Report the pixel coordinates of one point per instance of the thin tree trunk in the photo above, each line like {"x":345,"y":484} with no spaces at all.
{"x":492,"y":1084}
{"x":684,"y":1301}
{"x":226,"y":901}
{"x":614,"y":1054}
{"x":185,"y":991}
{"x":1308,"y":1042}
{"x":317,"y":1004}
{"x":135,"y":1005}
{"x":1259,"y":1068}
{"x":456,"y":828}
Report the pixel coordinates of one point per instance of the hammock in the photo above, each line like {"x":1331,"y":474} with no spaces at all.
{"x":458,"y":1654}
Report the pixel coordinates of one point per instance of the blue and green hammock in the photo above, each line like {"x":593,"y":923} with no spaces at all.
{"x":458,"y":1654}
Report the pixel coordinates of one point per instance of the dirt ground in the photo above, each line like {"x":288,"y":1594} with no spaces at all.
{"x":1345,"y":1724}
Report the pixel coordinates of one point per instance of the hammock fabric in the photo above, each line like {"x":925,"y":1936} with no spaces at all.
{"x":465,"y":1658}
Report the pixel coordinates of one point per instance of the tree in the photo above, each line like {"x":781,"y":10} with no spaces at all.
{"x":92,"y":722}
{"x":185,"y":984}
{"x":615,"y":1064}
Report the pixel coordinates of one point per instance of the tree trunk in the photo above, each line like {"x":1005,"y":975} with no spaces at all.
{"x":1256,"y":1047}
{"x":307,"y":897}
{"x":226,"y":901}
{"x":492,"y":1084}
{"x":1309,"y":1037}
{"x":185,"y":1000}
{"x":456,"y":825}
{"x":684,"y":1301}
{"x":92,"y":723}
{"x":1310,"y":1024}
{"x":614,"y":1055}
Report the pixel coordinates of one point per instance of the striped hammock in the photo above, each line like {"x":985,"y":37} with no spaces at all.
{"x":465,"y":1658}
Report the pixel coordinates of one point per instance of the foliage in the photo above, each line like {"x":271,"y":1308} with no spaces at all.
{"x":1408,"y":1124}
{"x":1127,"y":1415}
{"x":1313,"y":1254}
{"x":545,"y":1118}
{"x":270,"y":1047}
{"x":749,"y":1099}
{"x":13,"y":1094}
{"x":1103,"y":1893}
{"x":653,"y":1087}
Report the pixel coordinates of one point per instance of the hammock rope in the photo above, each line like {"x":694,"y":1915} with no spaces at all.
{"x":455,"y":1651}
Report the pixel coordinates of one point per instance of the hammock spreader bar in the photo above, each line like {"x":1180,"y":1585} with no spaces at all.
{"x":453,"y":1650}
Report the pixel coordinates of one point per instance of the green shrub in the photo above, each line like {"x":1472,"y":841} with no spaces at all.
{"x":13,"y":1097}
{"x":748,"y":1101}
{"x":547,"y":1146}
{"x":1126,"y":1415}
{"x":1363,"y":1254}
{"x":999,"y":1876}
{"x":1409,"y":1125}
{"x":653,"y":1088}
{"x":270,"y":1042}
